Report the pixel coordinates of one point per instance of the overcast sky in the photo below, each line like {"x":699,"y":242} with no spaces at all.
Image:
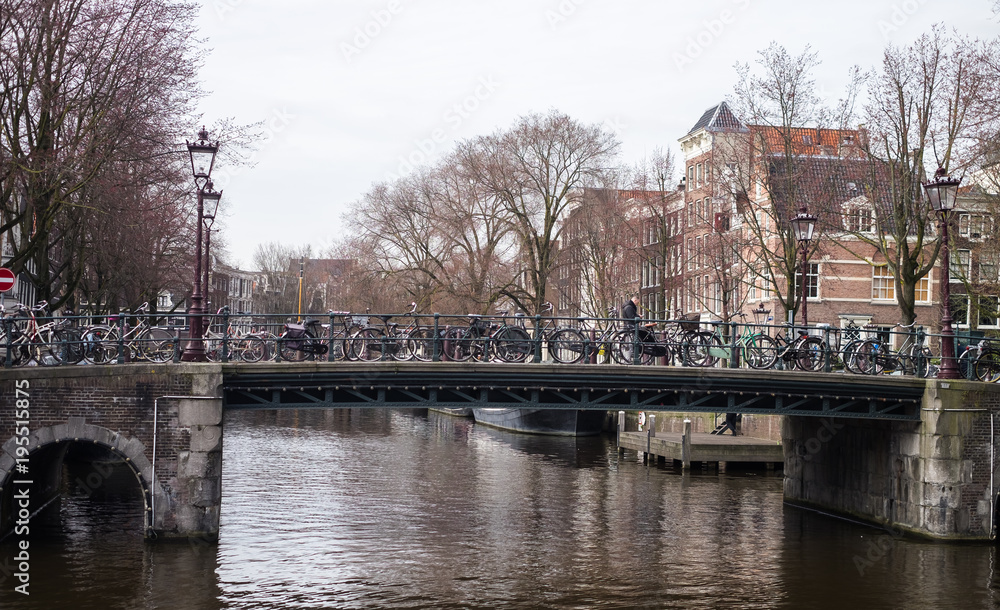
{"x":354,"y":93}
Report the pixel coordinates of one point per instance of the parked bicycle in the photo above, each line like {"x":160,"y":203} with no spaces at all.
{"x":875,"y":356}
{"x":301,"y":341}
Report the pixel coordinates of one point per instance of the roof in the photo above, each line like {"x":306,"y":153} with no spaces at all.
{"x":718,"y":117}
{"x":810,"y":141}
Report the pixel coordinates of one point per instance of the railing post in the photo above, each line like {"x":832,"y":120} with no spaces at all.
{"x":538,"y":339}
{"x":436,"y":349}
{"x":225,"y":333}
{"x":8,"y":329}
{"x":827,"y":350}
{"x":734,"y":348}
{"x":177,"y":346}
{"x":329,"y":339}
{"x":593,"y":346}
{"x":121,"y":337}
{"x":920,"y":364}
{"x":277,"y":347}
{"x":636,"y":356}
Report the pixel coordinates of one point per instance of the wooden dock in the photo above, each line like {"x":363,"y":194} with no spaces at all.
{"x":701,"y":447}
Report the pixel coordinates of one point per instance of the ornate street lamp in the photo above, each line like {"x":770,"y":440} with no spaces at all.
{"x":942,"y":193}
{"x":211,"y":199}
{"x":803,"y":225}
{"x":202,"y":155}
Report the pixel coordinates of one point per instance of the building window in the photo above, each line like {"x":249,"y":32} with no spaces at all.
{"x":922,"y":291}
{"x":960,"y":309}
{"x":959,"y":265}
{"x":883,"y":284}
{"x":859,"y":219}
{"x":700,"y":174}
{"x":690,"y":179}
{"x":812,"y":281}
{"x":987,"y":311}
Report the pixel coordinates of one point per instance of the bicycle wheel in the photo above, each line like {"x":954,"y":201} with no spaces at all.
{"x":70,"y":345}
{"x":339,"y":346}
{"x":987,"y":366}
{"x":458,"y":344}
{"x":369,"y":344}
{"x":251,"y":349}
{"x":566,"y":346}
{"x":513,"y":344}
{"x":870,"y":357}
{"x":419,"y":344}
{"x":157,"y":345}
{"x":967,"y":362}
{"x":760,"y":352}
{"x":46,"y":349}
{"x":810,"y":354}
{"x":849,"y":356}
{"x":697,"y":348}
{"x":626,"y":349}
{"x":915,"y":361}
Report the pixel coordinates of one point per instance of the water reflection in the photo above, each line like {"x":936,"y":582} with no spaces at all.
{"x":376,"y":509}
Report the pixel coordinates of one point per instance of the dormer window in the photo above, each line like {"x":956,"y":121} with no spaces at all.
{"x":858,"y":216}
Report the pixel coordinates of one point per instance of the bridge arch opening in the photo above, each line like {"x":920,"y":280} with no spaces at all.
{"x":77,"y":485}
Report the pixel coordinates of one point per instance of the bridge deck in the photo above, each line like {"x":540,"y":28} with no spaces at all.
{"x":601,"y":387}
{"x":704,"y":447}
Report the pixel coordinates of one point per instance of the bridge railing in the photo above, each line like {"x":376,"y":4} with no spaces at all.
{"x":236,"y":336}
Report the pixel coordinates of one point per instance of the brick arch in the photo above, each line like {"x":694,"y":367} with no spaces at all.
{"x":131,"y":450}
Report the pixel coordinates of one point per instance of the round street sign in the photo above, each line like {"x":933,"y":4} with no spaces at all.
{"x":7,"y":279}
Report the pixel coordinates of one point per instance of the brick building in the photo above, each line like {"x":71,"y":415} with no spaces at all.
{"x":705,"y":249}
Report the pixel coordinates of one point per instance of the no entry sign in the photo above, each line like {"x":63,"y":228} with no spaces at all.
{"x":7,"y":279}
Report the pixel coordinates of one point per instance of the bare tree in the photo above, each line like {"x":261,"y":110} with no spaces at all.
{"x":536,"y":170}
{"x":763,"y":166}
{"x":923,"y":102}
{"x":85,"y":82}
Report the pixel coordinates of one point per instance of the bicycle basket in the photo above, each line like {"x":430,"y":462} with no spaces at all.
{"x":692,"y":322}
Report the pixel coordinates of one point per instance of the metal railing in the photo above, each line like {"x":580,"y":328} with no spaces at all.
{"x":338,"y":336}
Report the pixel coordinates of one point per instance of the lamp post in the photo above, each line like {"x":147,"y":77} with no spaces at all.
{"x":942,"y":192}
{"x":202,"y":155}
{"x":803,"y":226}
{"x":211,"y":199}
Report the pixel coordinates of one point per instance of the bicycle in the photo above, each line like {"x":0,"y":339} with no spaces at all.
{"x":805,"y":352}
{"x":483,"y":339}
{"x":301,"y":341}
{"x":142,"y":341}
{"x":986,"y":362}
{"x":875,"y":357}
{"x":406,"y":343}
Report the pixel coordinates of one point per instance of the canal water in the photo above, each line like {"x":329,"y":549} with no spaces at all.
{"x":388,"y":509}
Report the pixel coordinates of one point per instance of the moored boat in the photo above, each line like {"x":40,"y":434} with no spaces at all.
{"x":454,"y":412}
{"x":557,"y":422}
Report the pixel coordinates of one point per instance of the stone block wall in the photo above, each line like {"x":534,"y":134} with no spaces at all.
{"x":936,"y":478}
{"x":116,"y":407}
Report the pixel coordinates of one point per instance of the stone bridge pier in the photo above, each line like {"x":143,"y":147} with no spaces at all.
{"x":935,"y":478}
{"x":164,"y":422}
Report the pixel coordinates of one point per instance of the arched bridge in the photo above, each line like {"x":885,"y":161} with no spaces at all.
{"x":463,"y":385}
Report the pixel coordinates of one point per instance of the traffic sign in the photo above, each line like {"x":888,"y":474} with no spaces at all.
{"x":7,"y":279}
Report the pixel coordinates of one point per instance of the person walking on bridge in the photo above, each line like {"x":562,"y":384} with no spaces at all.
{"x":630,"y":310}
